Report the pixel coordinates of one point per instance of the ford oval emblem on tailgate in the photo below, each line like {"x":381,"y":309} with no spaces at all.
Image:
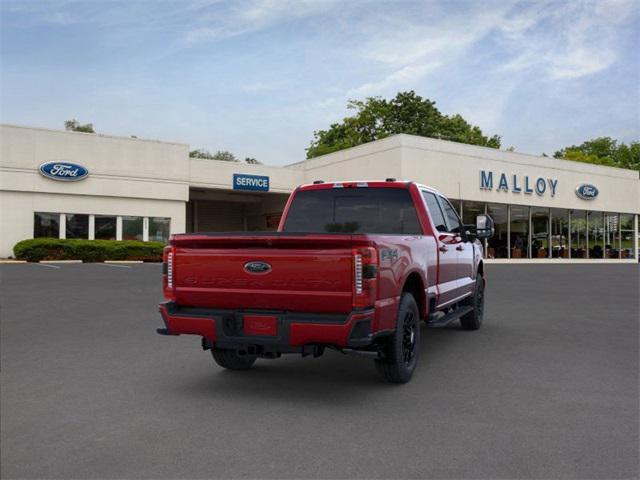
{"x":257,"y":267}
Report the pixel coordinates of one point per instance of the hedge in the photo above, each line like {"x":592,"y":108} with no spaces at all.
{"x":36,"y":249}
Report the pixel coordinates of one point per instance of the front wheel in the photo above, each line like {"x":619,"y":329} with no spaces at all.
{"x":402,"y":348}
{"x":230,"y":359}
{"x":473,"y":319}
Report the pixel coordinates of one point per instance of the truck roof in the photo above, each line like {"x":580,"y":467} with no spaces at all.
{"x":388,"y":183}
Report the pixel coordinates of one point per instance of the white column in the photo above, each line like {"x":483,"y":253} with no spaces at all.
{"x":63,"y":225}
{"x":145,"y":229}
{"x":118,"y":228}
{"x":92,"y":227}
{"x":635,"y":236}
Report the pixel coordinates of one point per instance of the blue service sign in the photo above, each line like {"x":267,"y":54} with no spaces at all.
{"x":586,"y":191}
{"x":63,"y":171}
{"x":250,"y":182}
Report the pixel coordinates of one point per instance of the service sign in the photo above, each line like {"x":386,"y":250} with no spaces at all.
{"x":242,"y":181}
{"x":586,"y":191}
{"x":63,"y":171}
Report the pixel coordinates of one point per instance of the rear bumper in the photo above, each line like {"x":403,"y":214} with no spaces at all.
{"x":282,"y":331}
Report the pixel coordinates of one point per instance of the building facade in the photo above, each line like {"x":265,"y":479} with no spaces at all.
{"x":77,"y":185}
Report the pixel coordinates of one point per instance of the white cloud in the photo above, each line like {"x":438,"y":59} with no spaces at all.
{"x":405,"y":77}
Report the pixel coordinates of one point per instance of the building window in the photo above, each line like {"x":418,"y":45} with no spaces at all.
{"x":77,"y":226}
{"x":46,"y":225}
{"x":519,"y":233}
{"x":626,"y":236}
{"x":159,"y":229}
{"x":470,"y":210}
{"x":611,"y":235}
{"x":105,"y":227}
{"x":539,"y":232}
{"x":132,"y":228}
{"x":595,"y":238}
{"x":559,"y":233}
{"x":578,"y":234}
{"x":498,"y":245}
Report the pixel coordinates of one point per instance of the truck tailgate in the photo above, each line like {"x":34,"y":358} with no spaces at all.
{"x":308,"y":273}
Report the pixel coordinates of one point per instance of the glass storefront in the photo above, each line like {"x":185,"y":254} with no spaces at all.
{"x":159,"y":228}
{"x":77,"y":226}
{"x":470,"y":210}
{"x":46,"y":225}
{"x":105,"y":227}
{"x":578,"y":234}
{"x":611,"y":236}
{"x":626,"y":236}
{"x":132,"y":228}
{"x":559,"y":233}
{"x":519,"y":231}
{"x":540,"y":247}
{"x":595,"y":237}
{"x":498,"y":245}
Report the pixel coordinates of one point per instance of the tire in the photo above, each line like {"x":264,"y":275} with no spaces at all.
{"x":403,"y":347}
{"x":473,"y":319}
{"x":230,"y":359}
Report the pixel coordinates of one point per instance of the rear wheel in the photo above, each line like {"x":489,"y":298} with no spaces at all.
{"x":402,"y":348}
{"x":473,"y":319}
{"x":230,"y":359}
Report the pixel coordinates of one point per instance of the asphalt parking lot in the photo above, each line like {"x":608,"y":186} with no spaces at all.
{"x":548,"y":388}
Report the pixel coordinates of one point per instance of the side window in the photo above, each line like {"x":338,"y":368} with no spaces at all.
{"x":453,"y":221}
{"x":435,"y":211}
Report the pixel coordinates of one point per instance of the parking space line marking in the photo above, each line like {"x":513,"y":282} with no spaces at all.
{"x":113,"y":265}
{"x":47,"y":265}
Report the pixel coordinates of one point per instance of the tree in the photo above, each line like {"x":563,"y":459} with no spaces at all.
{"x":219,"y":155}
{"x":604,"y":151}
{"x":252,"y":161}
{"x":377,"y":118}
{"x":75,"y":126}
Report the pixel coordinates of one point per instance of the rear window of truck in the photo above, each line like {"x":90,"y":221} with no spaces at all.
{"x":353,"y":210}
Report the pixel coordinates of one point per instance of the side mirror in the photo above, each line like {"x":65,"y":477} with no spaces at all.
{"x":484,"y":226}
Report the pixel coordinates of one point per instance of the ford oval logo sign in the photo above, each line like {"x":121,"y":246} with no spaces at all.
{"x":63,"y":171}
{"x":586,"y":191}
{"x":257,"y":267}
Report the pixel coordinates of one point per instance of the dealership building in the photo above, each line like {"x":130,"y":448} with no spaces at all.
{"x":77,"y":185}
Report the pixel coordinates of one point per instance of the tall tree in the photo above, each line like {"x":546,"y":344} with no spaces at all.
{"x":377,"y":118}
{"x":604,"y":151}
{"x":74,"y":126}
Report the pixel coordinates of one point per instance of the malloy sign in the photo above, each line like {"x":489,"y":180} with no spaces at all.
{"x":518,"y":183}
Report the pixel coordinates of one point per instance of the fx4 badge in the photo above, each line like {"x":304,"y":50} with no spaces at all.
{"x":389,"y":254}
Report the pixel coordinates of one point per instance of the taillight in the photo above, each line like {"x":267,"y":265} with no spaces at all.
{"x":365,"y":275}
{"x":168,"y":271}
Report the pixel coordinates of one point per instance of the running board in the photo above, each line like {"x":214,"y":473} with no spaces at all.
{"x":449,"y":317}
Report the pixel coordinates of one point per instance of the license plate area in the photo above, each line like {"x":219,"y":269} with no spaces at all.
{"x":260,"y":325}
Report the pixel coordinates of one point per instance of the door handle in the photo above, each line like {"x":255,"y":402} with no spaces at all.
{"x":460,"y":248}
{"x":443,"y":248}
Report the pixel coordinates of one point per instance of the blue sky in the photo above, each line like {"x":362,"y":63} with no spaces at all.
{"x":257,"y":77}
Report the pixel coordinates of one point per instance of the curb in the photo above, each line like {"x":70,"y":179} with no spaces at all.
{"x":60,"y":261}
{"x":123,"y":261}
{"x":8,"y":261}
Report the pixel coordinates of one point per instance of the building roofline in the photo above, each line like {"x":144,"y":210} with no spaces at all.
{"x":477,"y":151}
{"x":118,"y":137}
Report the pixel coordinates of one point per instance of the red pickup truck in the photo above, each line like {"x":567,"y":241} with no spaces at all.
{"x":354,"y":266}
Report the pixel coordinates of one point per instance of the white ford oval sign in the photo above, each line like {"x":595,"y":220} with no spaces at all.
{"x":63,"y":171}
{"x":586,"y":191}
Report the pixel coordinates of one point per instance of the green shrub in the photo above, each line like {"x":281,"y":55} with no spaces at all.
{"x":36,"y":249}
